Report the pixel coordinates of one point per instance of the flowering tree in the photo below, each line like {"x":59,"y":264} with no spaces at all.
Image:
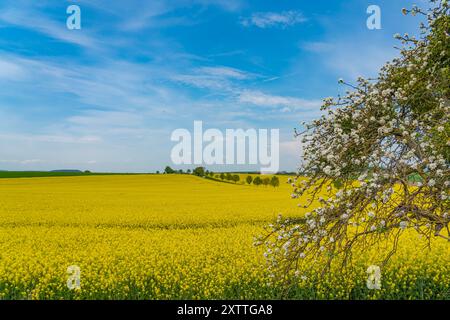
{"x":377,"y":161}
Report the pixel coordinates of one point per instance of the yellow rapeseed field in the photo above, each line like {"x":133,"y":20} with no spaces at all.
{"x":172,"y":236}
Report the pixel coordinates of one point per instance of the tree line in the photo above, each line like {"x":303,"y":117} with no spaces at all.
{"x":273,"y":181}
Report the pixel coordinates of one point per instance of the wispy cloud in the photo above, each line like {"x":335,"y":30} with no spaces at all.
{"x":11,"y":71}
{"x":318,"y":47}
{"x":233,"y":84}
{"x":63,"y":138}
{"x":109,"y":95}
{"x":135,"y":15}
{"x":214,"y":78}
{"x":111,"y":85}
{"x":100,"y":119}
{"x":225,"y":72}
{"x":259,"y":98}
{"x":24,"y":162}
{"x":282,"y":19}
{"x":28,"y":18}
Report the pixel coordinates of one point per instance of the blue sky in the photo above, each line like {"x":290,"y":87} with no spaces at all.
{"x":108,"y":96}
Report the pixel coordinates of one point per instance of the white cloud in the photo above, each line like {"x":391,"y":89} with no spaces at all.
{"x":274,"y":19}
{"x":318,"y":47}
{"x":133,"y":15}
{"x":64,"y":138}
{"x":31,"y":19}
{"x":202,"y":81}
{"x":31,"y":161}
{"x":24,"y":162}
{"x":216,"y":78}
{"x":96,"y":118}
{"x":112,"y":85}
{"x":10,"y":70}
{"x":288,"y":103}
{"x":225,"y":72}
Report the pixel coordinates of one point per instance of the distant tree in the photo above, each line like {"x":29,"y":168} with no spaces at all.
{"x":169,"y":170}
{"x":211,"y":174}
{"x":157,"y":172}
{"x":87,"y":171}
{"x":199,"y":171}
{"x":236,"y":178}
{"x":229,"y":177}
{"x":207,"y":173}
{"x":222,"y":176}
{"x":274,"y":182}
{"x":257,"y":181}
{"x":265,"y":181}
{"x":188,"y":171}
{"x":249,"y":179}
{"x":180,"y":171}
